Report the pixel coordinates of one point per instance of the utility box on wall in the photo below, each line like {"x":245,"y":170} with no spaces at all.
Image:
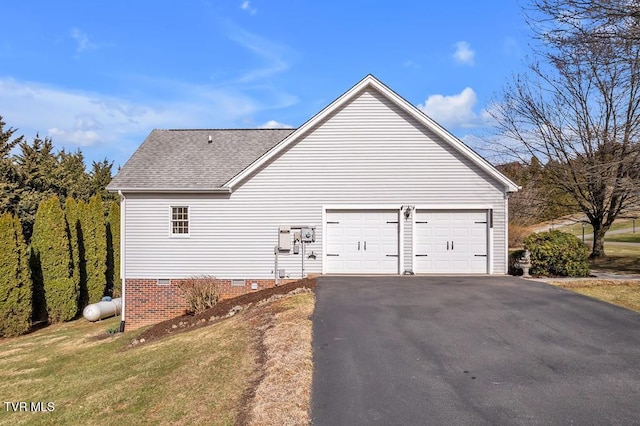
{"x":307,"y":235}
{"x":284,"y":240}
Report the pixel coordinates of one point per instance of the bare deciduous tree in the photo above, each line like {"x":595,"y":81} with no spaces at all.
{"x":578,"y":107}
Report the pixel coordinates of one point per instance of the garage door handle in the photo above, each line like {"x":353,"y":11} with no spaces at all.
{"x":365,"y":246}
{"x":451,"y":245}
{"x":330,"y":254}
{"x":447,"y":245}
{"x":392,"y":255}
{"x":358,"y":245}
{"x":480,"y":255}
{"x":422,"y":255}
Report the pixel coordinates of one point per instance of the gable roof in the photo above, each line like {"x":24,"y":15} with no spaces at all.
{"x":370,"y":82}
{"x":185,"y":160}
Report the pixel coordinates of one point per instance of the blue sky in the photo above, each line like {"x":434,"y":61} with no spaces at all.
{"x":100,"y":75}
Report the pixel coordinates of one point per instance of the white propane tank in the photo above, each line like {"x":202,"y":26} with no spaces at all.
{"x":102,"y":310}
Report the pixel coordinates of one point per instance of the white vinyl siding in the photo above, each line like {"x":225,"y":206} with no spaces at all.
{"x":369,"y":152}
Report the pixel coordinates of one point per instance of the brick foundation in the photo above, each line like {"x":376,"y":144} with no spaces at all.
{"x":147,"y":302}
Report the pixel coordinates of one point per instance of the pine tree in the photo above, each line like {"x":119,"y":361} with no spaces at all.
{"x":36,"y":165}
{"x":113,"y":250}
{"x":71,"y":178}
{"x":9,"y":179}
{"x":100,"y":177}
{"x":15,"y":279}
{"x":53,"y":261}
{"x":94,"y":236}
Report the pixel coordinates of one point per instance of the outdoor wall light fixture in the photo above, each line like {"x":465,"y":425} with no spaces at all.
{"x":407,"y":211}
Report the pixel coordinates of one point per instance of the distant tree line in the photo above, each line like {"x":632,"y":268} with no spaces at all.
{"x":540,"y":199}
{"x":59,"y":233}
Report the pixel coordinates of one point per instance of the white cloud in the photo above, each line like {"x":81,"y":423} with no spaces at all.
{"x":273,"y":124}
{"x":510,"y":46}
{"x":411,"y":64}
{"x":272,"y":54}
{"x":82,"y":39}
{"x":75,"y":137}
{"x":454,"y":110}
{"x":113,"y":126}
{"x":246,"y":5}
{"x":464,"y":54}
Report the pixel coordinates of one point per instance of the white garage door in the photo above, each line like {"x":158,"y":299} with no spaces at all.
{"x":362,"y":242}
{"x":451,"y":242}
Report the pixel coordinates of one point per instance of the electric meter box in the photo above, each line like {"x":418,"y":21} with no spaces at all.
{"x":307,"y":235}
{"x":284,"y":240}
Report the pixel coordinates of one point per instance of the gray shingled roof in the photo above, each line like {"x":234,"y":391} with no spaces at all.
{"x":184,"y":159}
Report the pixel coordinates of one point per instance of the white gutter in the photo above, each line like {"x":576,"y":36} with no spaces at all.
{"x":123,"y":257}
{"x":174,"y":190}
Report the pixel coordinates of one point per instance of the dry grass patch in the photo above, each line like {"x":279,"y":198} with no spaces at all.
{"x":283,"y":394}
{"x":617,"y":292}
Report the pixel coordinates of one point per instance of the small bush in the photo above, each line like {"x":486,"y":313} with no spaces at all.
{"x":557,"y":253}
{"x":517,"y":234}
{"x":113,"y":329}
{"x":200,"y":292}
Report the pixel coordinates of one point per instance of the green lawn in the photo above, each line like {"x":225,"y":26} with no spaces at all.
{"x":256,"y":362}
{"x":197,"y":377}
{"x":624,"y":238}
{"x":622,"y":259}
{"x":576,"y":228}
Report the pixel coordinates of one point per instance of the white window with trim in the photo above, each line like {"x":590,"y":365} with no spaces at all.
{"x":179,"y":221}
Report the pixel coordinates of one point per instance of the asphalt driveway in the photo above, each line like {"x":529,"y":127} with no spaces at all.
{"x":472,"y":350}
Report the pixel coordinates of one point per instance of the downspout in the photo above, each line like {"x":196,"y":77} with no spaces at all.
{"x":123,"y":257}
{"x":506,"y":232}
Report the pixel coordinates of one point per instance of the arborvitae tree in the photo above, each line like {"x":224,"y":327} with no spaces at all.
{"x":94,"y":235}
{"x":73,"y":211}
{"x":15,"y":279}
{"x":53,"y":260}
{"x":113,"y":250}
